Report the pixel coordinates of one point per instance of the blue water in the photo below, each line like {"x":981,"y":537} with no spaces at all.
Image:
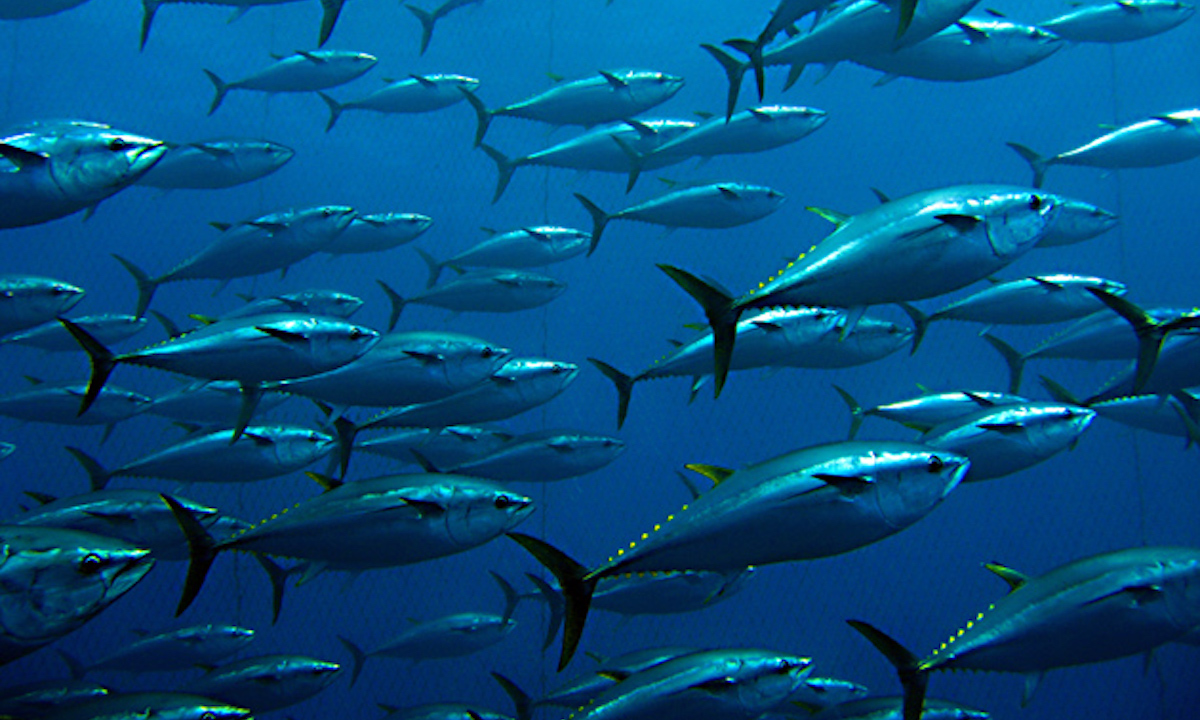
{"x":1118,"y":489}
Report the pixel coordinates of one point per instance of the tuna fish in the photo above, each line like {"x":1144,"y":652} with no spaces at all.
{"x":715,"y":205}
{"x":484,"y":290}
{"x":545,"y":456}
{"x":445,"y":637}
{"x":606,"y":97}
{"x":526,"y":247}
{"x":847,"y":495}
{"x":1092,"y":610}
{"x":379,"y":232}
{"x":174,"y":650}
{"x":1036,"y":300}
{"x":303,"y":71}
{"x":1120,"y":20}
{"x":27,"y":301}
{"x":1158,"y":140}
{"x":130,"y":706}
{"x":415,"y":94}
{"x":269,"y":682}
{"x":53,"y":337}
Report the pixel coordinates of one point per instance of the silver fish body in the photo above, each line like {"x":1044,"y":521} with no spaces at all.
{"x":53,"y":337}
{"x":266,"y":683}
{"x":181,"y":649}
{"x":306,"y":71}
{"x":208,"y":401}
{"x":546,"y":456}
{"x":444,"y":447}
{"x":1125,"y":21}
{"x":379,"y":232}
{"x":414,"y":94}
{"x":1037,"y":300}
{"x":27,"y":301}
{"x":167,"y":706}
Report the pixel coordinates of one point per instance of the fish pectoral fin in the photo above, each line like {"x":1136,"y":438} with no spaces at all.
{"x":23,"y":159}
{"x":767,"y":325}
{"x":615,"y":82}
{"x":1004,"y":428}
{"x":972,"y":33}
{"x":961,"y":223}
{"x":614,"y":675}
{"x":426,"y":507}
{"x":425,"y":357}
{"x":259,"y":440}
{"x":271,"y":227}
{"x":1139,"y":593}
{"x":114,"y":518}
{"x":712,"y":472}
{"x":283,"y":335}
{"x":845,"y":484}
{"x":727,"y":193}
{"x":1174,"y":122}
{"x":1047,"y":284}
{"x":1014,"y":578}
{"x":424,"y":81}
{"x":978,"y":399}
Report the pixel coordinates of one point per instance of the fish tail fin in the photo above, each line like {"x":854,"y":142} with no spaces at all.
{"x":913,"y":679}
{"x":735,"y":70}
{"x":908,"y":8}
{"x":331,"y":9}
{"x":431,"y":264}
{"x":505,"y":167}
{"x":577,"y":588}
{"x":335,"y":110}
{"x":522,"y":703}
{"x":149,"y":8}
{"x":719,"y":308}
{"x":398,"y":303}
{"x":103,"y":362}
{"x":622,"y":382}
{"x":98,"y":475}
{"x":599,"y":220}
{"x":221,"y":89}
{"x":511,"y":597}
{"x":278,"y":577}
{"x":202,"y":550}
{"x":483,"y":116}
{"x":1150,"y":333}
{"x":346,"y":432}
{"x":920,"y":323}
{"x":428,"y":21}
{"x":1014,"y":360}
{"x":554,"y":601}
{"x":754,"y":55}
{"x":857,"y":414}
{"x":358,"y":658}
{"x":1059,"y":392}
{"x":1037,"y":163}
{"x":76,"y":668}
{"x":146,"y":285}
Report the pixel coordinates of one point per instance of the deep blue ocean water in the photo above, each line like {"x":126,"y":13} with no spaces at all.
{"x":1118,"y":489}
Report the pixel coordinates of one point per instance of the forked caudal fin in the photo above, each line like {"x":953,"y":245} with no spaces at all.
{"x":483,"y":116}
{"x":622,"y":382}
{"x":398,"y":303}
{"x":103,"y":362}
{"x":735,"y":70}
{"x":857,"y":414}
{"x":1037,"y":163}
{"x":221,"y":88}
{"x":577,"y":588}
{"x":335,"y":110}
{"x":146,"y":285}
{"x":202,"y":550}
{"x":722,"y":315}
{"x":1014,"y":360}
{"x":1150,"y":332}
{"x":428,"y":21}
{"x":913,"y":679}
{"x":599,"y":220}
{"x":331,"y":9}
{"x":505,"y":167}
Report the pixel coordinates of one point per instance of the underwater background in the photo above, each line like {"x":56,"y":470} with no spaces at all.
{"x":1119,"y":488}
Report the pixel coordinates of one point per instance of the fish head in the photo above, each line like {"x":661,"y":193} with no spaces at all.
{"x":37,"y":297}
{"x":1077,"y":221}
{"x":334,"y":342}
{"x":833,"y":691}
{"x":94,"y":165}
{"x":479,"y":511}
{"x":295,"y":445}
{"x":760,"y":681}
{"x":260,"y":157}
{"x":465,"y":360}
{"x":464,"y":83}
{"x":360,"y":61}
{"x":650,"y":87}
{"x":911,"y":480}
{"x":1016,"y":219}
{"x":211,"y":710}
{"x":1053,"y":427}
{"x":791,"y":123}
{"x":326,"y":220}
{"x":56,"y":580}
{"x":536,"y":378}
{"x":324,"y":302}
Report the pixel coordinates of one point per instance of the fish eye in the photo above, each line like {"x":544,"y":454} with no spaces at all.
{"x":208,"y":716}
{"x":935,"y":464}
{"x":90,"y":564}
{"x":1035,"y":202}
{"x":487,"y":352}
{"x":503,"y":502}
{"x":357,"y":334}
{"x":117,"y":145}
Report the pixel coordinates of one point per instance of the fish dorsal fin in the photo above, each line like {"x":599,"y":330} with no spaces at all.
{"x":40,"y":497}
{"x":284,"y":335}
{"x":222,"y":226}
{"x":713,"y":472}
{"x":614,"y":81}
{"x":23,"y":159}
{"x":326,"y":481}
{"x":202,"y":319}
{"x":727,"y":193}
{"x":1014,"y":578}
{"x":35,"y":381}
{"x":424,"y":81}
{"x":961,"y":223}
{"x":490,"y":231}
{"x":1174,"y":122}
{"x":675,"y":343}
{"x":845,"y":484}
{"x":555,"y":77}
{"x":311,"y":57}
{"x":704,"y":114}
{"x":833,"y":216}
{"x":883,"y":198}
